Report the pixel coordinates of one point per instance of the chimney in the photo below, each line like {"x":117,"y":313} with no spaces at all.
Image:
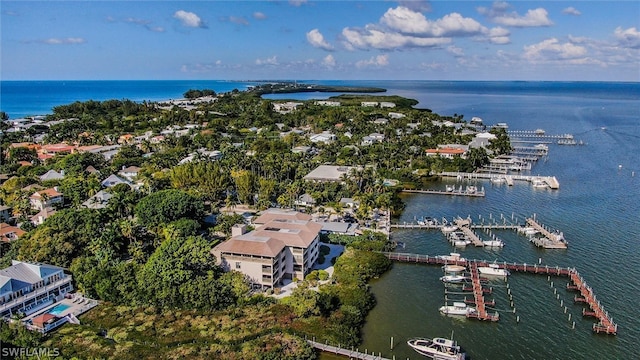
{"x":238,"y":229}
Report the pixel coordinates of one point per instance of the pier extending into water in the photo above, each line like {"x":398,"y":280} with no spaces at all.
{"x":550,"y":181}
{"x":352,"y":354}
{"x":605,"y":323}
{"x":548,"y":239}
{"x":476,"y":193}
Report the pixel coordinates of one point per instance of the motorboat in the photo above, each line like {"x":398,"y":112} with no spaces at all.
{"x":539,"y":184}
{"x":493,"y":243}
{"x":452,"y":257}
{"x":457,"y":308}
{"x":448,"y":228}
{"x":471,"y":189}
{"x":498,"y":180}
{"x":453,"y":268}
{"x":437,"y":348}
{"x":493,"y":270}
{"x":450,"y":188}
{"x":453,"y":278}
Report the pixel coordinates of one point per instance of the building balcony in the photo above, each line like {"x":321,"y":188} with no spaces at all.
{"x":33,"y":294}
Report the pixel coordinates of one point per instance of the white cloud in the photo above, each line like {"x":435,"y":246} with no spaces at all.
{"x":268,"y":61}
{"x":498,"y":35}
{"x":376,"y":61}
{"x":372,"y":37}
{"x":63,"y":41}
{"x":329,"y":61}
{"x":455,"y":51}
{"x":189,"y":19}
{"x":571,"y":11}
{"x":499,"y":15}
{"x":259,"y":16}
{"x":552,"y":50}
{"x":628,"y":37}
{"x":316,"y":39}
{"x":141,"y":22}
{"x":408,"y":21}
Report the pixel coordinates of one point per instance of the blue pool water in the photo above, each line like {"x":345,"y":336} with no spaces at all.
{"x":58,"y":309}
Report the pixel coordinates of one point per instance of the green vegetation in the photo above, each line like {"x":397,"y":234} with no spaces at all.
{"x":194,"y":94}
{"x":147,"y":252}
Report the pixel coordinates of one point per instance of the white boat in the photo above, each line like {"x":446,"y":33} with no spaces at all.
{"x":493,"y":243}
{"x":453,"y":278}
{"x":460,"y":243}
{"x":458,"y":308}
{"x":437,"y":348}
{"x":450,"y":188}
{"x":539,"y":184}
{"x":452,"y":257}
{"x":499,"y":180}
{"x":453,"y":268}
{"x":471,"y":189}
{"x":493,"y":270}
{"x":448,"y":228}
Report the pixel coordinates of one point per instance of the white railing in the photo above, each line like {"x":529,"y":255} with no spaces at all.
{"x":39,"y":291}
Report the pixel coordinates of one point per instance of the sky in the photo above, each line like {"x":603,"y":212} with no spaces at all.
{"x":320,"y":40}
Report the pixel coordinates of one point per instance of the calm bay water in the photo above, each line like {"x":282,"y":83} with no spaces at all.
{"x":597,"y":207}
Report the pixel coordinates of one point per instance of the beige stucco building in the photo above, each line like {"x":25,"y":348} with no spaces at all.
{"x":284,"y":247}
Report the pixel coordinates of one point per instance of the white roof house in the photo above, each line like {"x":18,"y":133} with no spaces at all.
{"x":52,"y":175}
{"x":328,"y":173}
{"x":114,"y":180}
{"x":324,"y":137}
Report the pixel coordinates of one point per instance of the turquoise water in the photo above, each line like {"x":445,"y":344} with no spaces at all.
{"x":58,"y":309}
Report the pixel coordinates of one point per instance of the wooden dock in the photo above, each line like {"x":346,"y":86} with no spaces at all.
{"x":551,"y":181}
{"x":463,"y":225}
{"x":537,"y":135}
{"x":352,"y":354}
{"x":478,"y":193}
{"x":478,"y":295}
{"x":605,"y":324}
{"x":550,"y":240}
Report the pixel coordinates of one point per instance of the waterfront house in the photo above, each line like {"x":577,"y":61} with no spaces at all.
{"x":278,"y":250}
{"x":27,"y":287}
{"x":46,"y":198}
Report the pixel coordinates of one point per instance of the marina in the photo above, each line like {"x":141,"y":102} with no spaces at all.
{"x":605,"y":324}
{"x":550,"y":181}
{"x":462,"y":230}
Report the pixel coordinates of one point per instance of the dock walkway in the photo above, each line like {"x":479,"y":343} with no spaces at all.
{"x":463,"y":225}
{"x":479,"y":193}
{"x":605,"y":323}
{"x":478,"y":295}
{"x":550,"y":241}
{"x":352,"y":354}
{"x":551,"y":181}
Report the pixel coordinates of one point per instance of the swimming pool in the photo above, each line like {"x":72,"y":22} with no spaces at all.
{"x":58,"y":309}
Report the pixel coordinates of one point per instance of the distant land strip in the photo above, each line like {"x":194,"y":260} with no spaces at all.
{"x":289,"y":88}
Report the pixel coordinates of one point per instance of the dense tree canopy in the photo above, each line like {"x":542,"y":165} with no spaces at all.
{"x":165,"y":206}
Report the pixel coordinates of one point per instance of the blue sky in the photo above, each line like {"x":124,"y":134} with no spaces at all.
{"x":239,"y":40}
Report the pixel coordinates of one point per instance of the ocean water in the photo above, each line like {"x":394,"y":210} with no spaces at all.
{"x":597,"y":207}
{"x":27,"y":98}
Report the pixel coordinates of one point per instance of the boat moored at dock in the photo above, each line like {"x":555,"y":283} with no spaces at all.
{"x":437,"y":348}
{"x":458,"y":309}
{"x":493,"y":270}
